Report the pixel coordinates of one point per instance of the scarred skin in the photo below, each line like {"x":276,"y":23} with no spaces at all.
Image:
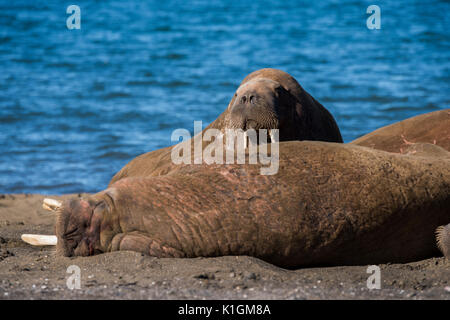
{"x":273,"y":100}
{"x":329,"y":204}
{"x":432,"y":128}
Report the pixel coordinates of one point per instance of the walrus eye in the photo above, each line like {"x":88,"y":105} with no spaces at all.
{"x":100,"y":207}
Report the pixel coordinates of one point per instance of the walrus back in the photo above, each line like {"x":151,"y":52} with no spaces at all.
{"x":432,"y":128}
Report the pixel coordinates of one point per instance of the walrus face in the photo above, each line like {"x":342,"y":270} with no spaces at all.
{"x":261,"y":104}
{"x":78,"y":226}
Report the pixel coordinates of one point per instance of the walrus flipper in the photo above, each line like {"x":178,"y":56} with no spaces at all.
{"x":140,"y":242}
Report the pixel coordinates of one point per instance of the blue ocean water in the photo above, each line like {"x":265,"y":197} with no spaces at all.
{"x":77,"y":105}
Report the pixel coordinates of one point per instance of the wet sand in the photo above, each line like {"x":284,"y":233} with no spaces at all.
{"x":28,"y":272}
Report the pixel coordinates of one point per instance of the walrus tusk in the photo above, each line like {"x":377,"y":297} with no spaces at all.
{"x":245,"y":140}
{"x":40,"y":239}
{"x":273,"y":137}
{"x":51,"y":204}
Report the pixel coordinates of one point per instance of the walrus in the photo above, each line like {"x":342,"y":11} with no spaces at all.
{"x":330,"y":204}
{"x":431,"y":128}
{"x":272,"y":99}
{"x":401,"y":137}
{"x":265,"y":99}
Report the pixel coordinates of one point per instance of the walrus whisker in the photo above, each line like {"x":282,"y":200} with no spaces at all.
{"x":40,"y":239}
{"x":51,"y":204}
{"x":439,"y":240}
{"x":443,"y":240}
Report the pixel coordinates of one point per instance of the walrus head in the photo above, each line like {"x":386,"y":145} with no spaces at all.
{"x":272,"y":99}
{"x":263,"y":104}
{"x":78,"y":223}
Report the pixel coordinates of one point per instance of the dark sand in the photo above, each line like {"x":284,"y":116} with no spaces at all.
{"x":28,"y":272}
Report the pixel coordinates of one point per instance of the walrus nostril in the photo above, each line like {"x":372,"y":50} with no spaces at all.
{"x":243,"y":99}
{"x":252,"y":99}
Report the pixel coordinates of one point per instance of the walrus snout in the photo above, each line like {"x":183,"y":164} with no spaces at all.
{"x":254,"y":107}
{"x":77,"y":227}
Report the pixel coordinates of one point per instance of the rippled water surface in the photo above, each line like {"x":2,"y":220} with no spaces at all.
{"x":77,"y":105}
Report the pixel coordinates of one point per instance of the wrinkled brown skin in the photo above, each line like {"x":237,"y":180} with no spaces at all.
{"x":280,"y":103}
{"x":329,"y":204}
{"x":426,"y":135}
{"x":432,"y":128}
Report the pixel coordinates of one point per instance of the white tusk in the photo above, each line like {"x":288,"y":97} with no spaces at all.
{"x":51,"y":204}
{"x":273,"y":136}
{"x":245,"y":140}
{"x":40,"y":239}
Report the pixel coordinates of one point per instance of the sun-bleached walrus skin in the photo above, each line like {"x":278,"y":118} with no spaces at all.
{"x":431,"y":128}
{"x":329,"y":204}
{"x":266,"y":99}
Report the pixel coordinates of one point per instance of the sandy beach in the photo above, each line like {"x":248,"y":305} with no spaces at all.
{"x":28,"y":272}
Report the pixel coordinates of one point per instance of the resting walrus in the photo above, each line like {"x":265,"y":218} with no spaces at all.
{"x":431,"y":128}
{"x":329,"y":204}
{"x":273,"y":99}
{"x":400,"y":137}
{"x":266,"y":99}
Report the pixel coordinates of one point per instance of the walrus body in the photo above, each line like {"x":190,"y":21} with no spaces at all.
{"x":431,"y":128}
{"x":411,"y":136}
{"x":266,"y":99}
{"x":329,"y":204}
{"x":425,"y":150}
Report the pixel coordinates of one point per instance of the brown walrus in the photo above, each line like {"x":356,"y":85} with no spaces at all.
{"x":266,"y":99}
{"x":273,"y":99}
{"x":431,"y":128}
{"x":329,"y":204}
{"x":400,"y":137}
